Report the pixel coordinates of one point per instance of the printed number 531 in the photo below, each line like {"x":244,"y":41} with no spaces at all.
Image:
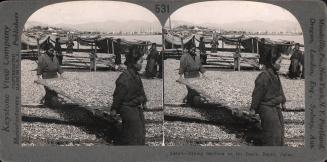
{"x":162,"y":8}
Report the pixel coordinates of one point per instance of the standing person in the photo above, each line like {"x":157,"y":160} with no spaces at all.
{"x":118,"y":51}
{"x":263,"y":49}
{"x":48,"y":67}
{"x":214,"y":45}
{"x":237,"y":55}
{"x":129,"y":100}
{"x":202,"y":49}
{"x":302,"y":64}
{"x":93,"y":58}
{"x":294,"y":69}
{"x":268,"y":100}
{"x":160,"y":64}
{"x":58,"y":50}
{"x":70,"y":46}
{"x":47,"y":45}
{"x":190,"y":67}
{"x":152,"y":58}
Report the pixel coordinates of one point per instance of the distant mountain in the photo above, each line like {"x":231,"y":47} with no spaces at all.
{"x":115,"y":26}
{"x":30,"y":24}
{"x":176,"y":23}
{"x":261,"y":26}
{"x":140,"y":25}
{"x":108,"y":26}
{"x":249,"y":26}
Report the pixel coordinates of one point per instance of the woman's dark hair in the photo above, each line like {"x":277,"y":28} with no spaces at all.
{"x":132,"y":56}
{"x":48,"y":51}
{"x":271,"y":57}
{"x":47,"y":46}
{"x":297,"y":44}
{"x":268,"y":62}
{"x":190,"y":46}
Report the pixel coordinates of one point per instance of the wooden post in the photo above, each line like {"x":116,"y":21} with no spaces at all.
{"x":237,"y":66}
{"x":172,"y":45}
{"x":163,"y":39}
{"x":95,"y":64}
{"x":107,"y":45}
{"x":91,"y":57}
{"x":38,"y":47}
{"x":182,"y":44}
{"x":239,"y":56}
{"x":95,"y":48}
{"x":257,"y":46}
{"x":252,"y":45}
{"x":146,"y":47}
{"x":95,"y":59}
{"x":235,"y":59}
{"x":77,"y":45}
{"x":113,"y":46}
{"x":222,"y":43}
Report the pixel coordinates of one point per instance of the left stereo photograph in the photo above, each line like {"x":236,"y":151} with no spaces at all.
{"x":91,"y":74}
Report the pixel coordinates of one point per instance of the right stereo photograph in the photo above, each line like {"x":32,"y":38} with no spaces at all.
{"x":233,"y":76}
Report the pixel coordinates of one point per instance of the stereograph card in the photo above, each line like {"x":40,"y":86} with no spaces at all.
{"x":163,"y":80}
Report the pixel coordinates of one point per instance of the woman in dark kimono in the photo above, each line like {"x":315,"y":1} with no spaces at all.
{"x":151,"y":65}
{"x":190,"y":67}
{"x":58,"y":50}
{"x":70,"y":46}
{"x":302,"y":65}
{"x":48,"y":68}
{"x":268,"y":100}
{"x":118,"y":49}
{"x":129,"y":100}
{"x":202,"y":48}
{"x":160,"y":64}
{"x":294,"y":69}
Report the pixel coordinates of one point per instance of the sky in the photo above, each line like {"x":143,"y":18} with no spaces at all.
{"x":232,"y":11}
{"x":80,"y":12}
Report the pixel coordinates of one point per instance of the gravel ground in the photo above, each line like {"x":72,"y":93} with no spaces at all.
{"x":153,"y":130}
{"x":48,"y":133}
{"x":70,"y":127}
{"x":154,"y":116}
{"x":176,"y":133}
{"x":230,"y":88}
{"x":294,"y":116}
{"x":46,"y":126}
{"x":31,"y":92}
{"x":173,"y":92}
{"x":294,"y":131}
{"x":44,"y":112}
{"x":181,"y":133}
{"x":235,"y":88}
{"x":96,"y":88}
{"x":183,"y":111}
{"x":195,"y":131}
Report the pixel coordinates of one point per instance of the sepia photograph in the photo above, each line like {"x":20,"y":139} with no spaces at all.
{"x":91,"y":74}
{"x":163,"y":80}
{"x":233,"y":75}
